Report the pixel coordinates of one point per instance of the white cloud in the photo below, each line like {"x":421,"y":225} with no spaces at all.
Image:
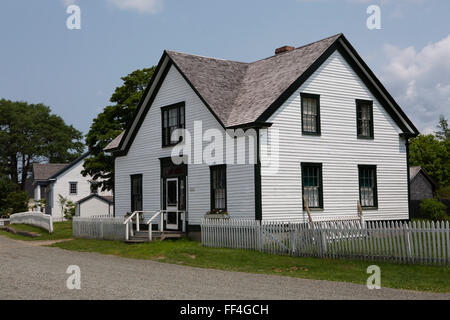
{"x":142,"y":6}
{"x":420,"y":81}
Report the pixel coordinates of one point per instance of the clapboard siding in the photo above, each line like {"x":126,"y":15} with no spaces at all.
{"x":94,"y":207}
{"x":145,"y":151}
{"x":338,"y":149}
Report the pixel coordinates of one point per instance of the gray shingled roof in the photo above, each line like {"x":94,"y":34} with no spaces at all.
{"x":238,"y":92}
{"x":115,"y":142}
{"x":43,"y":171}
{"x":108,"y":198}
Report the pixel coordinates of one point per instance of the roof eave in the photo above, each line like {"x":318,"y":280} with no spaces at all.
{"x":69,"y":166}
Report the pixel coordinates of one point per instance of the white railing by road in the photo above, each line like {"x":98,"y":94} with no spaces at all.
{"x":34,"y":218}
{"x":388,"y":241}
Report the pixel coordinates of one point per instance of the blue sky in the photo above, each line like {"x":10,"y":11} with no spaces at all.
{"x":76,"y":71}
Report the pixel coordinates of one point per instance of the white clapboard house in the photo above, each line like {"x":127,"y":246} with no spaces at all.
{"x":49,"y":180}
{"x":335,"y":135}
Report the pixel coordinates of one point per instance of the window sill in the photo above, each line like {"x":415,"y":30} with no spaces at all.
{"x":365,"y":138}
{"x":311,"y":133}
{"x":369,"y":208}
{"x":314,"y":209}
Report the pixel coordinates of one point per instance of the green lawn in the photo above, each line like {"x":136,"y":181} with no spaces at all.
{"x":62,"y":230}
{"x":191,"y":253}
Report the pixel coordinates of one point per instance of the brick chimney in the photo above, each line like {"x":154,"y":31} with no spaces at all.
{"x":284,"y":49}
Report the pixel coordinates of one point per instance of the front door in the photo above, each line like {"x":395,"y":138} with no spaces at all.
{"x":172,"y":204}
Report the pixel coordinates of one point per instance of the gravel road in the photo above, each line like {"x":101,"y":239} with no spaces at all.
{"x":30,"y":271}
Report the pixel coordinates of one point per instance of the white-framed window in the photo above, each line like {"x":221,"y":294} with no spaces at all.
{"x":73,"y":187}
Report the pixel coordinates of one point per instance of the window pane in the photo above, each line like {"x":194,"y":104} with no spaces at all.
{"x":173,"y":118}
{"x":311,"y":185}
{"x":136,"y":193}
{"x":364,"y":120}
{"x":73,"y":187}
{"x":218,"y":177}
{"x":172,"y":193}
{"x":367,"y":186}
{"x":309,"y":116}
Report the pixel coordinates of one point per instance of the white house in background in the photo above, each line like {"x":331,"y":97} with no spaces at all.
{"x":52,"y":179}
{"x":95,"y":205}
{"x":342,"y":139}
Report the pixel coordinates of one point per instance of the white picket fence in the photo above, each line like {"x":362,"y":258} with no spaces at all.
{"x":34,"y":218}
{"x":103,"y":228}
{"x":397,"y":242}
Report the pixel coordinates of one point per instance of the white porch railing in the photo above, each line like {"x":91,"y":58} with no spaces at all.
{"x":135,"y":216}
{"x":150,"y":224}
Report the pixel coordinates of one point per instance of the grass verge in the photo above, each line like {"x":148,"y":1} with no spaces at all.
{"x":61,"y":230}
{"x":192,"y":253}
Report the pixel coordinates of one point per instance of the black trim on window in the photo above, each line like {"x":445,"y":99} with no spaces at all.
{"x":368,"y":172}
{"x":136,"y":192}
{"x":73,"y":187}
{"x":306,"y":171}
{"x":180,"y":123}
{"x":317,"y":120}
{"x":215,"y":170}
{"x":359,"y":120}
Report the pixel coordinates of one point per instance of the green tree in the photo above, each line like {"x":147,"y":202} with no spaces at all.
{"x":17,"y":202}
{"x":7,"y":187}
{"x":28,"y":133}
{"x":111,"y":122}
{"x":432,"y":155}
{"x":443,"y":132}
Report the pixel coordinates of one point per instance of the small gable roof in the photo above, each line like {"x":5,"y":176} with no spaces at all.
{"x":108,"y":199}
{"x":246,"y":94}
{"x":416,"y":170}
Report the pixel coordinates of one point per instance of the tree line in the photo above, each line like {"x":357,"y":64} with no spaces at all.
{"x":30,"y":133}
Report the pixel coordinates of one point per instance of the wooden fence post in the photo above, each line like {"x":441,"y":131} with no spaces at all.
{"x":307,"y":209}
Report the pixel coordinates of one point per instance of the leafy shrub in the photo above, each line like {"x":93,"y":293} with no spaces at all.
{"x":69,"y":210}
{"x":433,"y":209}
{"x":444,"y":192}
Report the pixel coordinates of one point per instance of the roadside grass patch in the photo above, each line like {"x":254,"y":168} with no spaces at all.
{"x":62,"y":230}
{"x":183,"y":251}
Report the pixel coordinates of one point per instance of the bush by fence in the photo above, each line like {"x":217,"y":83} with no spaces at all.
{"x":102,"y":228}
{"x":33,"y":218}
{"x":416,"y":242}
